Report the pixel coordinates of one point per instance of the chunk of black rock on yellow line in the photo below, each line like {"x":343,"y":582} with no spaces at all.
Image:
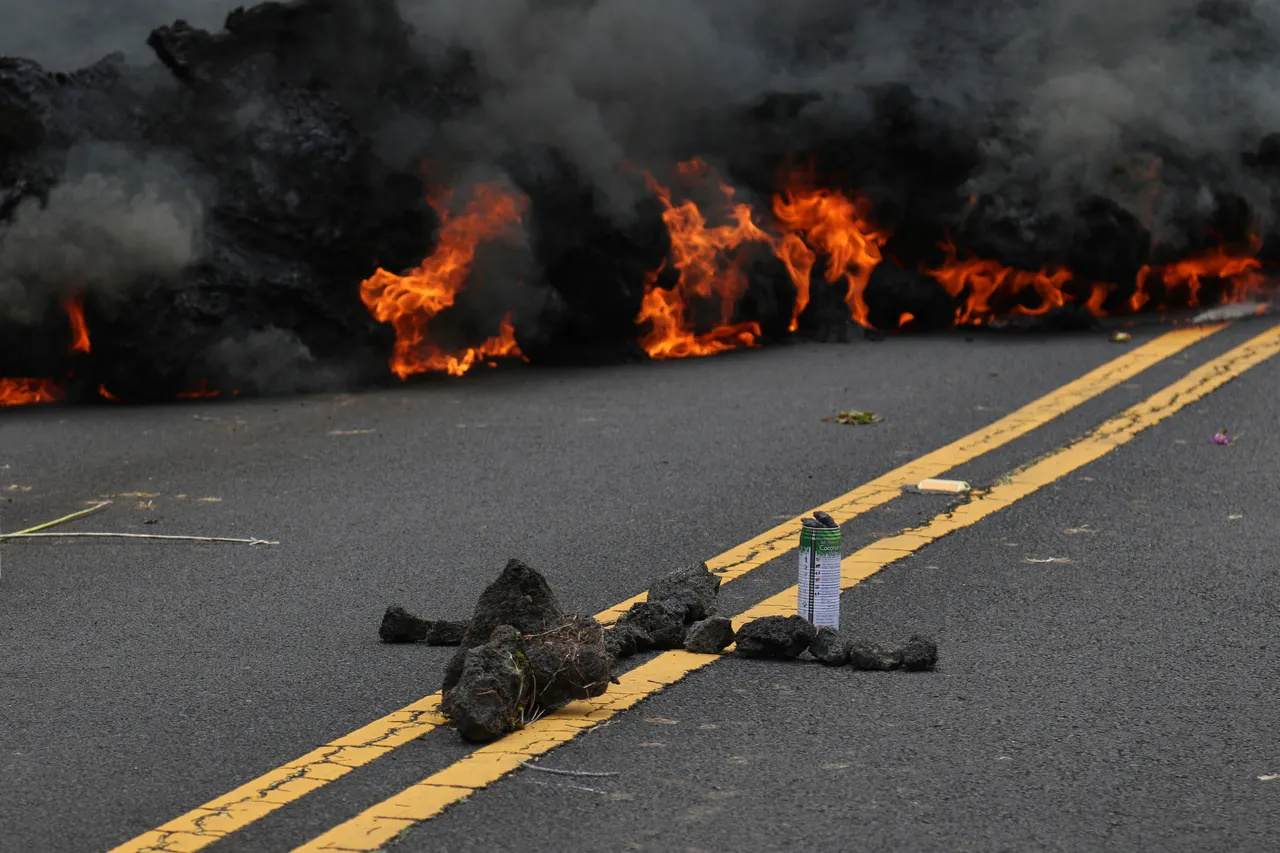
{"x":519,"y":597}
{"x":446,"y":633}
{"x":693,"y":589}
{"x":829,"y":647}
{"x":873,"y":656}
{"x":568,"y":662}
{"x":401,"y":626}
{"x":783,"y":637}
{"x":658,"y":624}
{"x":623,"y":641}
{"x":711,"y":636}
{"x":825,"y":519}
{"x":492,"y":688}
{"x":919,"y":654}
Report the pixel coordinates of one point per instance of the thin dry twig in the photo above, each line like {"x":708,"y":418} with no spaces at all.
{"x":571,"y":787}
{"x":142,"y":536}
{"x":529,"y":766}
{"x":72,"y":517}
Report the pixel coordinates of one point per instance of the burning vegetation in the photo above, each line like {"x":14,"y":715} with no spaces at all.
{"x":352,"y":263}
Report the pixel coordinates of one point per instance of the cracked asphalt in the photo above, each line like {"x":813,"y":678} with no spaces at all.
{"x":1108,"y":643}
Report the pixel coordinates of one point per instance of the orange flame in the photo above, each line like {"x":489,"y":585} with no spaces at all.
{"x":409,"y":302}
{"x":74,"y":306}
{"x":709,"y":270}
{"x":23,"y":392}
{"x":200,"y":392}
{"x":1240,"y":271}
{"x":831,"y":223}
{"x":981,"y":281}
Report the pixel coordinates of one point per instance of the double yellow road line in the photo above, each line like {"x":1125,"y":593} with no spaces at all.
{"x":375,"y":827}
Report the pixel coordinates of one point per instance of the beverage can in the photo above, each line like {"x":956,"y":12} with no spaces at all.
{"x":819,"y":602}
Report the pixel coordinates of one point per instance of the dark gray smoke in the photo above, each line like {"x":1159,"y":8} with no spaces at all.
{"x":1068,"y":93}
{"x":117,"y":218}
{"x":1072,"y":94}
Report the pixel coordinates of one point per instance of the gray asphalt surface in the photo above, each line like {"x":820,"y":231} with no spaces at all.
{"x":1116,"y":701}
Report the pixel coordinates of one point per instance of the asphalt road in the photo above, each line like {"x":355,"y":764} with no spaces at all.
{"x":1120,"y":697}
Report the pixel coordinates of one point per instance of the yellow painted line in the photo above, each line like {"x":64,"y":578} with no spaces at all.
{"x":375,"y":827}
{"x":774,"y":543}
{"x":259,"y":797}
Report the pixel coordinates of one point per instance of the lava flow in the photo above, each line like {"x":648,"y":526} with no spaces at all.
{"x":409,"y":302}
{"x":710,"y":270}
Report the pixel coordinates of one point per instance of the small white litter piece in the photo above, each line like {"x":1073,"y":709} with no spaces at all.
{"x":1233,"y":311}
{"x":941,"y":487}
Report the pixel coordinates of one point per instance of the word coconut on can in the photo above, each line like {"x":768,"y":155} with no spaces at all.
{"x":819,"y":584}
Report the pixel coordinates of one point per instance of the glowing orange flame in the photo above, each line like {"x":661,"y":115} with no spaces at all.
{"x":830,"y":223}
{"x":23,"y":392}
{"x":200,"y":392}
{"x":74,"y":306}
{"x":501,"y":345}
{"x":709,"y":270}
{"x":409,"y":302}
{"x":107,"y":395}
{"x":979,"y":281}
{"x":1240,"y":271}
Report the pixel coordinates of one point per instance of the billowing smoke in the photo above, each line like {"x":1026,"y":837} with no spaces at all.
{"x":115,"y":220}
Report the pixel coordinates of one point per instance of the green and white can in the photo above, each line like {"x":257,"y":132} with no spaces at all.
{"x":820,"y":576}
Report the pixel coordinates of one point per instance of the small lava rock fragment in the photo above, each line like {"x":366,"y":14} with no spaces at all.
{"x":829,"y":647}
{"x":919,"y":654}
{"x":693,"y":589}
{"x":864,"y":655}
{"x":623,"y":641}
{"x":811,"y":523}
{"x":445,"y":633}
{"x":782,"y":637}
{"x":825,"y":519}
{"x":659,"y":624}
{"x":710,"y":636}
{"x":485,"y":702}
{"x":401,"y":626}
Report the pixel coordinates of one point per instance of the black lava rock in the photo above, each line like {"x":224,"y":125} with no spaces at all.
{"x":782,"y":637}
{"x":710,"y":636}
{"x":825,"y":519}
{"x":623,"y":641}
{"x":693,"y":589}
{"x":445,"y":633}
{"x":490,"y":691}
{"x":919,"y":654}
{"x":521,"y":598}
{"x":656,"y":624}
{"x":401,"y":626}
{"x":865,"y":655}
{"x":830,"y":648}
{"x":567,"y":663}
